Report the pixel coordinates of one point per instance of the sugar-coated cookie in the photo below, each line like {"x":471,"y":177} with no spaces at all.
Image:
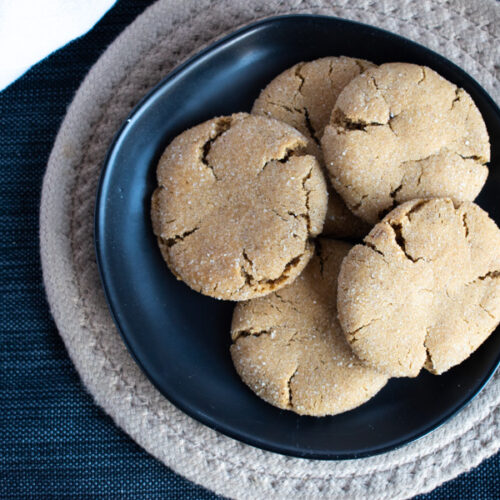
{"x":423,"y":290}
{"x":399,"y":132}
{"x":238,"y":205}
{"x":289,"y":349}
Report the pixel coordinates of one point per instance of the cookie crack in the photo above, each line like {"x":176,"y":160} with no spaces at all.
{"x":274,"y":306}
{"x":457,"y":97}
{"x":425,"y":158}
{"x":284,"y":275}
{"x":289,"y":152}
{"x":419,"y":180}
{"x":287,"y":302}
{"x":417,"y":207}
{"x":349,"y":124}
{"x":444,"y":149}
{"x":429,"y":362}
{"x":289,"y":386}
{"x":382,"y":96}
{"x":251,"y":333}
{"x":222,"y":125}
{"x":330,"y":68}
{"x":299,"y":75}
{"x":466,"y":226}
{"x":357,"y":62}
{"x":246,"y":275}
{"x":170,"y":242}
{"x":471,"y":157}
{"x":393,"y":195}
{"x":285,"y":107}
{"x":487,"y":311}
{"x":395,"y":191}
{"x":353,"y":333}
{"x":250,"y":279}
{"x":295,"y":149}
{"x":372,"y":78}
{"x":304,"y":112}
{"x":308,"y":194}
{"x":489,"y":275}
{"x":369,"y":244}
{"x":275,"y":212}
{"x":423,"y":77}
{"x":401,"y":242}
{"x":493,"y":275}
{"x":310,"y":127}
{"x":390,"y":126}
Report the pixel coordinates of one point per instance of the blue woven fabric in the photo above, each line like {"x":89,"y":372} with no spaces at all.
{"x":54,"y":442}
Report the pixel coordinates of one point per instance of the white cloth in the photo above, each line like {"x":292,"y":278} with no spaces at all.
{"x":32,"y":29}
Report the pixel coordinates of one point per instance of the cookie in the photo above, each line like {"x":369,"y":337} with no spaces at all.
{"x":238,"y":205}
{"x":303,"y":96}
{"x":400,"y":132}
{"x":423,"y":290}
{"x":289,"y":349}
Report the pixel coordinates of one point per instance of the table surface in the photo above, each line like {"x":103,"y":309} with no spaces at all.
{"x":54,"y":441}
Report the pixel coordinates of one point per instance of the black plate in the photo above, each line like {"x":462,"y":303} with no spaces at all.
{"x":181,"y":338}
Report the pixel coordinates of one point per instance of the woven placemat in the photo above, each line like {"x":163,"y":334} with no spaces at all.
{"x":145,"y":52}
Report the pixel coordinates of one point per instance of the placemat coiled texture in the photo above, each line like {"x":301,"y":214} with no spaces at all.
{"x":164,"y":35}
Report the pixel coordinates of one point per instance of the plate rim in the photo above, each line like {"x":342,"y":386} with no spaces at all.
{"x":99,"y":210}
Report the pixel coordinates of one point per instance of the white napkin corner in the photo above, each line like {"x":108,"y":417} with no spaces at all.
{"x":32,"y":29}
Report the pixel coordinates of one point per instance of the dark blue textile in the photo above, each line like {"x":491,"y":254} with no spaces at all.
{"x":54,"y":442}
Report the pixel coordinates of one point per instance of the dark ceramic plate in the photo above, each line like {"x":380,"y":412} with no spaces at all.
{"x":181,"y":338}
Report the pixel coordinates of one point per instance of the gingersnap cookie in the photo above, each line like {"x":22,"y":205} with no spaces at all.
{"x":423,"y":290}
{"x":237,"y":206}
{"x":303,"y":96}
{"x":288,"y":347}
{"x":400,"y":132}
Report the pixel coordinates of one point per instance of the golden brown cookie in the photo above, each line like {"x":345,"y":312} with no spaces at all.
{"x":289,"y":349}
{"x":237,"y":206}
{"x":303,"y":96}
{"x":424,"y":288}
{"x":400,"y":132}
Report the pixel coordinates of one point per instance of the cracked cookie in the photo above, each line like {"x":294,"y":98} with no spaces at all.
{"x":423,"y":290}
{"x":288,"y":347}
{"x":238,"y":205}
{"x":400,"y":132}
{"x":303,"y":96}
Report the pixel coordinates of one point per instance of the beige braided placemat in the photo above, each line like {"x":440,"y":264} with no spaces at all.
{"x":466,"y":32}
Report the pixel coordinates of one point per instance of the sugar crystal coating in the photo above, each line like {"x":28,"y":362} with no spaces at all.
{"x":423,"y":290}
{"x":288,"y":347}
{"x":400,"y":132}
{"x":238,"y":205}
